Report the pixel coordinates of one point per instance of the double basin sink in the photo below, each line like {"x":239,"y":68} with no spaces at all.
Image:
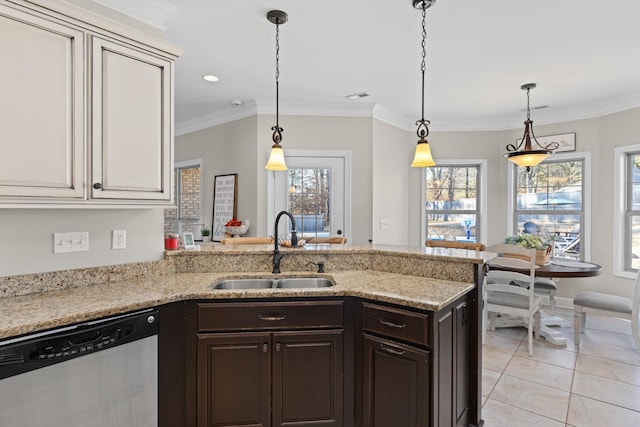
{"x":283,"y":283}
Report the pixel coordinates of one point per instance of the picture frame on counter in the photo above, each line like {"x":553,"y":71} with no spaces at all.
{"x":189,"y":242}
{"x":225,"y":194}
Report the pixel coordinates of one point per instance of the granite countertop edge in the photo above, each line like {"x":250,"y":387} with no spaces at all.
{"x":36,"y":312}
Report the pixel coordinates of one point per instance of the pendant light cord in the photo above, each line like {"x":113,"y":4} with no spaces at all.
{"x":528,"y":108}
{"x":277,"y":130}
{"x":423,"y":129}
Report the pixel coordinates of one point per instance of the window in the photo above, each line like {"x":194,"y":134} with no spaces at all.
{"x":550,"y":203}
{"x":309,"y":200}
{"x":315,"y":190}
{"x":627,"y":222}
{"x":187,"y":214}
{"x":453,"y":201}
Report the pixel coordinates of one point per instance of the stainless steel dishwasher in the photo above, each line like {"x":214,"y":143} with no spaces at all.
{"x":102,"y":373}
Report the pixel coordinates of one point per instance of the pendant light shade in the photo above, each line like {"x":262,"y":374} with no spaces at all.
{"x":526,"y":154}
{"x":276,"y":158}
{"x":422,"y":157}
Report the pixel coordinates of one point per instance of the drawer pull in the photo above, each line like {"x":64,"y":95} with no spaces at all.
{"x":392,"y":324}
{"x":392,"y":350}
{"x":272,"y":317}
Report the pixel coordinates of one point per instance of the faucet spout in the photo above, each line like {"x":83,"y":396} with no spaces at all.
{"x":277,"y":257}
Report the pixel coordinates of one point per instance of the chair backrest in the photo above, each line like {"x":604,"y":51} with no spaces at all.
{"x":335,"y":240}
{"x":247,"y":241}
{"x":502,"y":277}
{"x":455,"y":245}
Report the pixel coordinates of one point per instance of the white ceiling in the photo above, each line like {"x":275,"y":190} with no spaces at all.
{"x":584,"y":55}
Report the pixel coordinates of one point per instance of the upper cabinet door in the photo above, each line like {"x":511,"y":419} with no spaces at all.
{"x":41,"y":113}
{"x":131,"y":119}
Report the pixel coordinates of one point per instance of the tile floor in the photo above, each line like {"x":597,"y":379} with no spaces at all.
{"x":597,"y":385}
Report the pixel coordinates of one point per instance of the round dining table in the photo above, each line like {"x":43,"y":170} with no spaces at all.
{"x":562,"y":269}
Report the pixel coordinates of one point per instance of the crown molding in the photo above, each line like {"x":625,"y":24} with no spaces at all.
{"x":377,"y":111}
{"x":151,"y":12}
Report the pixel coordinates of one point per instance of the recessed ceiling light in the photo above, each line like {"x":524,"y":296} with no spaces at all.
{"x":358,"y":95}
{"x":210,"y":78}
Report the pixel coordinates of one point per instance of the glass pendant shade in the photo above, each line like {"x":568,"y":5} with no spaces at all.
{"x":423,"y":158}
{"x":276,"y":159}
{"x":528,"y":158}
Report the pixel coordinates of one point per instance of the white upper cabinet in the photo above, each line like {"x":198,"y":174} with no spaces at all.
{"x":131,"y":123}
{"x":41,"y":109}
{"x":86,"y":112}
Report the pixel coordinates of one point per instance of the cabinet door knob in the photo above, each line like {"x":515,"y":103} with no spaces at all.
{"x":265,"y":348}
{"x":97,"y":186}
{"x":278,"y":346}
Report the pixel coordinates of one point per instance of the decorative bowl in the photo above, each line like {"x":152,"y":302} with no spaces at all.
{"x":236,"y":231}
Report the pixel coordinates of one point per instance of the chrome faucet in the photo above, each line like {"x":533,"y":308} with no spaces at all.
{"x":277,"y":257}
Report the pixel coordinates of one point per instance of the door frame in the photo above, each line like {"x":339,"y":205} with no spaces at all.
{"x":344,"y":154}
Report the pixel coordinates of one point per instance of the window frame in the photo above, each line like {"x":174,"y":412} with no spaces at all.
{"x":621,"y":214}
{"x":585,"y":226}
{"x":481,"y":207}
{"x":178,"y":220}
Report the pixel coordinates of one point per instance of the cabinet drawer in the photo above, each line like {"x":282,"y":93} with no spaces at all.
{"x":269,"y":315}
{"x":396,"y":323}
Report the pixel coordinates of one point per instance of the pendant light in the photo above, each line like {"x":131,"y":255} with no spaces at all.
{"x":529,"y":155}
{"x":276,"y":159}
{"x":422,"y":158}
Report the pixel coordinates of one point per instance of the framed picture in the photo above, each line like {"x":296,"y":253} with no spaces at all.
{"x":225,"y":189}
{"x":187,"y":238}
{"x":566,"y":141}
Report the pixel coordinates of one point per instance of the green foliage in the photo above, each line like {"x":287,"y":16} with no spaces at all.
{"x":528,"y":241}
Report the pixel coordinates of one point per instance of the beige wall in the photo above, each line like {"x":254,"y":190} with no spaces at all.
{"x":385,"y":187}
{"x":27,"y":238}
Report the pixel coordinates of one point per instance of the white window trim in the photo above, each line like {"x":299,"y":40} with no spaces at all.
{"x":619,"y":208}
{"x":482,"y":195}
{"x":586,"y":197}
{"x":346,"y":155}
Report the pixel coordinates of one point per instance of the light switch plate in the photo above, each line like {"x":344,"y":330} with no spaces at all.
{"x":70,"y":242}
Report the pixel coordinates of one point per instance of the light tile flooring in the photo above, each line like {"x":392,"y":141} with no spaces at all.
{"x":597,"y":385}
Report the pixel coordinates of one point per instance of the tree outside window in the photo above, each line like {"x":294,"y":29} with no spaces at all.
{"x":452,"y":204}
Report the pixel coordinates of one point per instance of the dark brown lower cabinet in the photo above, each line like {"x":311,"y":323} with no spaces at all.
{"x":396,"y":384}
{"x":261,"y":379}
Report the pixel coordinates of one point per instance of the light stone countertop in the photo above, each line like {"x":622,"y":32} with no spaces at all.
{"x":37,"y":311}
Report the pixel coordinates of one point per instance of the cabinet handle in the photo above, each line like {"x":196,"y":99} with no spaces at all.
{"x":392,"y":350}
{"x":97,"y":186}
{"x":272,"y":317}
{"x":265,"y":348}
{"x":392,"y":324}
{"x":278,"y":346}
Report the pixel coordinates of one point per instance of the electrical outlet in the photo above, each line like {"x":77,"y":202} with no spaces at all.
{"x":118,"y":239}
{"x":70,"y":242}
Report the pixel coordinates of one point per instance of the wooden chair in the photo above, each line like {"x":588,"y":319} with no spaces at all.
{"x":512,"y":293}
{"x":608,"y":305}
{"x":247,"y":241}
{"x":334,"y":240}
{"x":472,"y":246}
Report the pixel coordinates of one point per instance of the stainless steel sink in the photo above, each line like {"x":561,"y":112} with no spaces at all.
{"x":304,"y":282}
{"x":245,"y":284}
{"x":286,"y":283}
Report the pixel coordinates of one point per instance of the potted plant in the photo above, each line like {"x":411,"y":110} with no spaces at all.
{"x":543,"y":248}
{"x":205,"y":232}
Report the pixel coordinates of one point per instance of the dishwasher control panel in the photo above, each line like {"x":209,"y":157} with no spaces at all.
{"x":42,"y":349}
